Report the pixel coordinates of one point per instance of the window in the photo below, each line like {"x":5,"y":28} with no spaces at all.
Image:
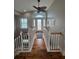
{"x":23,"y":23}
{"x":37,"y":16}
{"x":39,"y":24}
{"x":51,"y":22}
{"x":43,"y":22}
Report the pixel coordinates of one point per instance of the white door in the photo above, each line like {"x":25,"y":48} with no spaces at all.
{"x":39,"y":24}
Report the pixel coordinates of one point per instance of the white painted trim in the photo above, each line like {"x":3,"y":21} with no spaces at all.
{"x":63,"y":53}
{"x":46,"y":43}
{"x":32,"y":43}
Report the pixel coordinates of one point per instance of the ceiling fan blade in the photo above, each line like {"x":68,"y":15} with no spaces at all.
{"x":38,"y":11}
{"x":43,"y":10}
{"x":35,"y":7}
{"x":44,"y":7}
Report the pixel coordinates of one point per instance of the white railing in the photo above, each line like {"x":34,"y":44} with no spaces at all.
{"x":22,"y":43}
{"x":53,"y":41}
{"x":17,"y":43}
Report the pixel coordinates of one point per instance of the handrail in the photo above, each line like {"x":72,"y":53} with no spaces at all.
{"x":56,"y":33}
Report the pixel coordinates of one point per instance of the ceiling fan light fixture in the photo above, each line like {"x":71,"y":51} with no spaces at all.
{"x":38,"y":0}
{"x":39,"y":9}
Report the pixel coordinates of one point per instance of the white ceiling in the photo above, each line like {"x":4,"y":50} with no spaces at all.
{"x":27,"y":5}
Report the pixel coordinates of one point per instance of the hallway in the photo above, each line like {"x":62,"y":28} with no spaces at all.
{"x":39,"y":43}
{"x":39,"y":52}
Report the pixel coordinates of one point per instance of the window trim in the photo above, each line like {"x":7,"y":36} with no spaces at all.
{"x":21,"y":24}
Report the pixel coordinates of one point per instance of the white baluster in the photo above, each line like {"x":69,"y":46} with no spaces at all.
{"x":17,"y":42}
{"x":58,"y":40}
{"x":21,"y":41}
{"x":53,"y":41}
{"x":50,"y":42}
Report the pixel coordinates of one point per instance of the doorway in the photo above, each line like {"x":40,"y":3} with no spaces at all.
{"x":39,"y":24}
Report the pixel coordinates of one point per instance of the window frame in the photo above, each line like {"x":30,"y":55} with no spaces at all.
{"x":22,"y":24}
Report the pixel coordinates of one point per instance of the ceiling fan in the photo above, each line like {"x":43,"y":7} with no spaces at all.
{"x":39,"y":9}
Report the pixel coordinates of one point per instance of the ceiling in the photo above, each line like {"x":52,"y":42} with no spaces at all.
{"x":27,"y":5}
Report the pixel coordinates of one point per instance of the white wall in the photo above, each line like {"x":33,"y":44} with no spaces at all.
{"x":16,"y":22}
{"x":57,"y":10}
{"x":16,"y":25}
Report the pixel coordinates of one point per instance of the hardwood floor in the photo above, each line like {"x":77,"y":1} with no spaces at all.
{"x":39,"y":52}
